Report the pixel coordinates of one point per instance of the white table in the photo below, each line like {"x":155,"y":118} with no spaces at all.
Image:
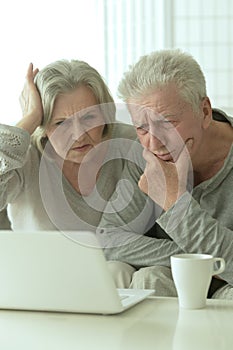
{"x":156,"y":323}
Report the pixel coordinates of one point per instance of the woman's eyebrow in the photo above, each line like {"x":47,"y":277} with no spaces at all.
{"x":79,"y":114}
{"x":89,"y":110}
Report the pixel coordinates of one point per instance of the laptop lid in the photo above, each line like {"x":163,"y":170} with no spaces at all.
{"x":56,"y":271}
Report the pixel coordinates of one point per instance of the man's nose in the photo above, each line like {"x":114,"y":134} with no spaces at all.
{"x":155,"y":139}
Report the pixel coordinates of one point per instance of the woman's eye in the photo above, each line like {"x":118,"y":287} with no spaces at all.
{"x":88,"y":117}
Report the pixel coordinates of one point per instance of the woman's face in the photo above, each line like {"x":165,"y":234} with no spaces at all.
{"x":76,"y":126}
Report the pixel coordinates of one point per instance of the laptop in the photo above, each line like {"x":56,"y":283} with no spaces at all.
{"x":59,"y":272}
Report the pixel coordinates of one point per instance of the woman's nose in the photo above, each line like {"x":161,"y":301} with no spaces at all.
{"x":77,"y":129}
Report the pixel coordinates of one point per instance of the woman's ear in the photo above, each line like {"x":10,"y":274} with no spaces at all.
{"x":206,"y":112}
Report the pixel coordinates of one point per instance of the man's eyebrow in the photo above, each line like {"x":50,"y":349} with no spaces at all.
{"x":58,"y":118}
{"x":170,"y":115}
{"x":139,"y":125}
{"x":162,"y":117}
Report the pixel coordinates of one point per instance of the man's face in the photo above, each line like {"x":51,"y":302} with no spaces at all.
{"x":165,"y":122}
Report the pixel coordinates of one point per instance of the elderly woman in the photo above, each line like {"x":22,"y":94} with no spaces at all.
{"x":62,"y":161}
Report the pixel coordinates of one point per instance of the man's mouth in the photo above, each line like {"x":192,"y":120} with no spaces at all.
{"x":164,"y":156}
{"x":82,"y":148}
{"x":171,"y":156}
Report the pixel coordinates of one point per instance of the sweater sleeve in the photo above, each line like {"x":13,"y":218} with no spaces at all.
{"x":195,"y":230}
{"x":14,"y":144}
{"x":122,"y":230}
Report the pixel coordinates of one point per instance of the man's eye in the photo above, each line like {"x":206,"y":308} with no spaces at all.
{"x":169,"y":123}
{"x":142,"y":130}
{"x":59,"y":122}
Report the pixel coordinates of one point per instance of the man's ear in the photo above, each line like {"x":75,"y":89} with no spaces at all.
{"x":206,"y":112}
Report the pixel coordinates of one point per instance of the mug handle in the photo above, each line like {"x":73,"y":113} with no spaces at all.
{"x":222,"y":266}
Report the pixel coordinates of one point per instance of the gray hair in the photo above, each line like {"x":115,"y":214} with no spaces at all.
{"x":64,"y":76}
{"x":161,"y":68}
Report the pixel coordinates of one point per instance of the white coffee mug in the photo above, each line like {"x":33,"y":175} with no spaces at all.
{"x":192,"y":274}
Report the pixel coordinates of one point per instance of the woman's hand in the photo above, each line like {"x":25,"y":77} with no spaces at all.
{"x":30,"y":102}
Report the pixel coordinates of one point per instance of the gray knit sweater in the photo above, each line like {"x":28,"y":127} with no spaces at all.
{"x":37,"y":195}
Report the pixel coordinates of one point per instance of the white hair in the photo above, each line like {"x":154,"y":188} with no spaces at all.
{"x":64,"y":76}
{"x":161,"y":68}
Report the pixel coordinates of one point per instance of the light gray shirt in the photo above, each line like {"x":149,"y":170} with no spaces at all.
{"x":200,"y":221}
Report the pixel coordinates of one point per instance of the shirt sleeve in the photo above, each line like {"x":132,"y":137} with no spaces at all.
{"x":14,"y":144}
{"x":194,"y":230}
{"x":128,"y":216}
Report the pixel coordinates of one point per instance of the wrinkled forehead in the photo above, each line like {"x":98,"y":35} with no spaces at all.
{"x":76,"y":112}
{"x":141,"y":114}
{"x":76,"y":100}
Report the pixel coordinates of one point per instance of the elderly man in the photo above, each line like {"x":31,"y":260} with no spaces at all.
{"x":188,"y":175}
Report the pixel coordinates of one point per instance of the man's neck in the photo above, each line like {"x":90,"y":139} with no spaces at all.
{"x":216,"y":145}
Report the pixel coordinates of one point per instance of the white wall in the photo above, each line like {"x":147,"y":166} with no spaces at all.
{"x":205,"y":29}
{"x":41,"y":32}
{"x":110,"y":35}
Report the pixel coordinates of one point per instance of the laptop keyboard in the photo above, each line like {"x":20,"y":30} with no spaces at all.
{"x":123,"y":297}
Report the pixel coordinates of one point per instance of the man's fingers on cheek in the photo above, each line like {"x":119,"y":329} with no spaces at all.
{"x":145,"y":151}
{"x":147,"y":155}
{"x":187,"y":148}
{"x":142,"y":183}
{"x":184,"y":158}
{"x":189,"y":144}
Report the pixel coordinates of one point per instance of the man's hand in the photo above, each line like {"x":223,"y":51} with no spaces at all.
{"x":165,"y":181}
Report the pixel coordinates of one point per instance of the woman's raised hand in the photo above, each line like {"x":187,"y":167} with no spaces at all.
{"x":30,"y":102}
